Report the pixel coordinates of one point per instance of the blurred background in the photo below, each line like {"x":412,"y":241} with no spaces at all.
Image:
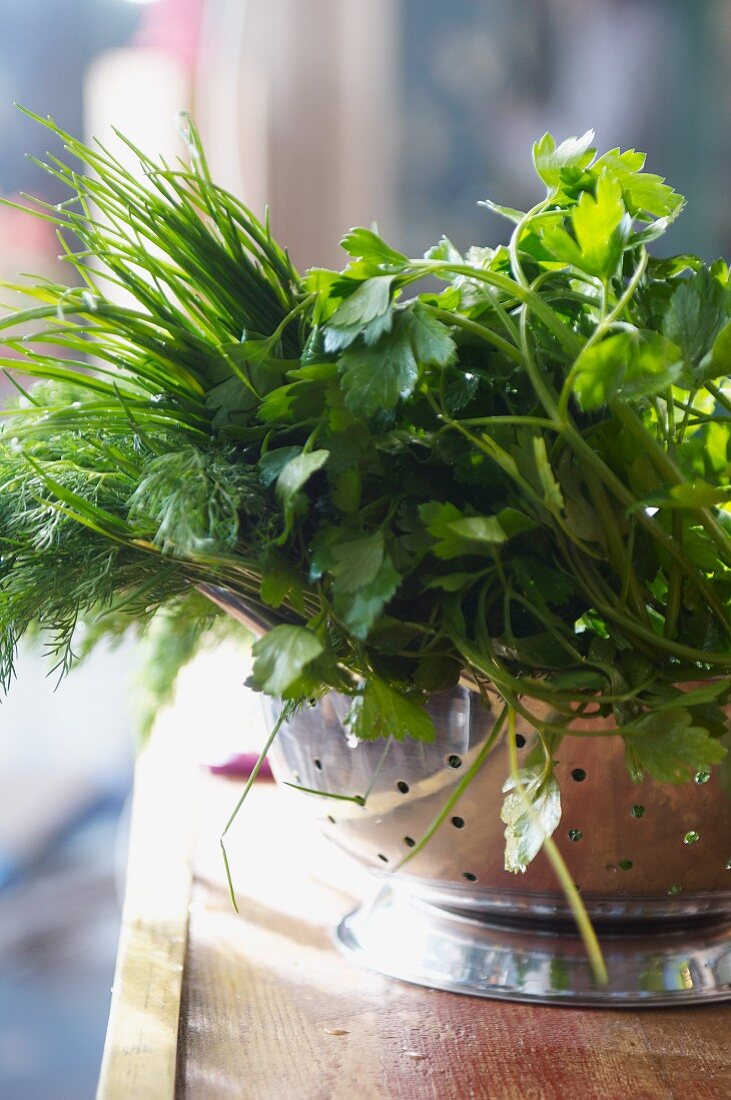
{"x":335,"y":113}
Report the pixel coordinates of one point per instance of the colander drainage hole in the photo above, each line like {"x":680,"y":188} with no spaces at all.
{"x":578,"y":775}
{"x":402,"y":786}
{"x":318,"y":763}
{"x":520,"y":740}
{"x":469,"y":876}
{"x":458,"y":822}
{"x":409,"y":841}
{"x":384,"y":859}
{"x":454,"y":761}
{"x":331,"y":819}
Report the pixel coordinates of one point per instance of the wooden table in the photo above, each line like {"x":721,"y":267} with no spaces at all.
{"x":211,"y":1005}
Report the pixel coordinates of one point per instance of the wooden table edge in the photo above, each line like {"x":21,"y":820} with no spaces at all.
{"x":140,"y":1048}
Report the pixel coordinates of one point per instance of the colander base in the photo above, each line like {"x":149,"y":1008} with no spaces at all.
{"x":662,"y":963}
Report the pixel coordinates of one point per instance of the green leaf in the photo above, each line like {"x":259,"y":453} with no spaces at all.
{"x":707,"y":693}
{"x":364,"y":577}
{"x":669,"y":747}
{"x":359,"y":610}
{"x":542,"y":581}
{"x":452,"y":582}
{"x":456,"y":534}
{"x":366,"y":245}
{"x":446,"y":253}
{"x":356,"y":561}
{"x":278,"y":404}
{"x":292,"y":478}
{"x":699,"y":494}
{"x":626,"y":364}
{"x":375,"y":378}
{"x":370,"y":299}
{"x":718,"y":363}
{"x":549,"y":159}
{"x":525,"y":831}
{"x":601,"y":225}
{"x":437,"y":673}
{"x":381,"y":711}
{"x":643,"y":191}
{"x":508,"y":212}
{"x":297,"y":471}
{"x":515,"y":522}
{"x":479,"y":529}
{"x":430,"y":339}
{"x":696,"y":314}
{"x":279,"y":581}
{"x":273,"y":462}
{"x":281,"y":657}
{"x":346,"y":491}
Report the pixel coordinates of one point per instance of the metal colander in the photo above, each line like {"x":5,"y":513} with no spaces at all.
{"x":651,"y":860}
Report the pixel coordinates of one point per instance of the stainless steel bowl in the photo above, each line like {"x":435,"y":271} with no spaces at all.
{"x":652,"y":861}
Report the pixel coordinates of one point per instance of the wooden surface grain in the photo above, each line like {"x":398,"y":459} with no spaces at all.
{"x":270,"y":1009}
{"x":139,"y":1061}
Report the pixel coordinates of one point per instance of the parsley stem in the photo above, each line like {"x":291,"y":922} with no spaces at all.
{"x":578,"y":909}
{"x":548,"y":317}
{"x":458,"y":791}
{"x":626,"y":497}
{"x":477,"y":329}
{"x":675,"y":582}
{"x":665,"y":466}
{"x":719,"y":395}
{"x":244,"y":795}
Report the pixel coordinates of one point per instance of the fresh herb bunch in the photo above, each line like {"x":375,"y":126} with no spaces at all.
{"x":521,"y":477}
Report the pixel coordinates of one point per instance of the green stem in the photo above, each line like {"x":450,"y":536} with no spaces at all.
{"x":543,"y":312}
{"x":244,"y":795}
{"x":719,"y":396}
{"x":675,"y":583}
{"x":624,"y":495}
{"x":458,"y":790}
{"x":667,"y":468}
{"x":477,"y":329}
{"x":615,"y":544}
{"x":605,"y":322}
{"x":578,"y":909}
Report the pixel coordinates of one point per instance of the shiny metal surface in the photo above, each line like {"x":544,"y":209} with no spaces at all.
{"x":257,"y":619}
{"x":653,"y":862}
{"x":399,"y":935}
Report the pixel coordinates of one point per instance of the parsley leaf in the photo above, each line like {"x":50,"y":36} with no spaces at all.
{"x":364,"y":244}
{"x":669,"y":747}
{"x":375,"y":378}
{"x":365,"y":312}
{"x":432,"y":344}
{"x":381,"y":711}
{"x":455,"y":534}
{"x":525,"y":831}
{"x":643,"y":191}
{"x":549,"y":159}
{"x":630,"y":364}
{"x":697,"y":311}
{"x":292,"y":478}
{"x":281,"y":657}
